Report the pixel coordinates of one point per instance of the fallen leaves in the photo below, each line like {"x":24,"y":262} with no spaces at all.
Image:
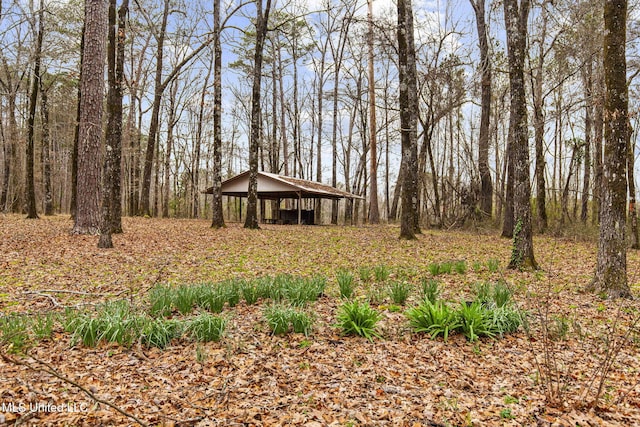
{"x":253,"y":378}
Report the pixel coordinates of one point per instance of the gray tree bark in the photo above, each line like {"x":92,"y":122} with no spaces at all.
{"x":611,"y":270}
{"x":516,"y":13}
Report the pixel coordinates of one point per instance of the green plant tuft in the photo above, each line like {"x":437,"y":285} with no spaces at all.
{"x":430,"y":290}
{"x":346,"y":284}
{"x":207,"y":327}
{"x":381,"y":273}
{"x":399,"y":292}
{"x":355,"y":318}
{"x":433,"y":318}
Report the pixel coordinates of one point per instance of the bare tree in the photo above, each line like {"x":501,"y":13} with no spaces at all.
{"x":611,"y":269}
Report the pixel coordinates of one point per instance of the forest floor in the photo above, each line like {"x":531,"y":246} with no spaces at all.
{"x":254,"y":378}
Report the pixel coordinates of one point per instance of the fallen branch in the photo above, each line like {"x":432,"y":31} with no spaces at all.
{"x":50,"y":297}
{"x":46,"y":367}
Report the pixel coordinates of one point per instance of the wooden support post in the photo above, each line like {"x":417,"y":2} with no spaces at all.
{"x":299,"y":208}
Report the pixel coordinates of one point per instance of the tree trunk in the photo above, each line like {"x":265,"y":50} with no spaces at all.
{"x":486,"y":185}
{"x":198,"y":143}
{"x":46,"y":150}
{"x":33,"y":101}
{"x":597,"y":155}
{"x":374,"y":210}
{"x":633,"y":213}
{"x":218,"y":217}
{"x":171,"y":120}
{"x":262,"y":20}
{"x":516,"y":14}
{"x":586,"y":182}
{"x":111,"y":173}
{"x":89,"y":197}
{"x":611,"y":270}
{"x":145,"y":192}
{"x":408,"y":120}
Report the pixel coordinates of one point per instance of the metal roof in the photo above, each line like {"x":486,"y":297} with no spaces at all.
{"x":272,"y":186}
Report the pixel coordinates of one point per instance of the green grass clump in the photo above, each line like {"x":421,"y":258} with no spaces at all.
{"x":277,"y":317}
{"x":184,"y":298}
{"x":355,"y":318}
{"x":381,"y":273}
{"x":213,"y":298}
{"x":433,"y":318}
{"x":501,"y":294}
{"x":43,"y":325}
{"x":399,"y":292}
{"x":460,"y":267}
{"x":302,"y":322}
{"x":159,"y":332}
{"x":446,"y":267}
{"x":233,"y":291}
{"x":493,"y":265}
{"x":299,"y":291}
{"x":434,"y":268}
{"x":161,"y":300}
{"x":476,"y":266}
{"x":249,"y":291}
{"x":430,"y":290}
{"x":365,"y":274}
{"x":14,"y":332}
{"x":207,"y":327}
{"x":475,"y":321}
{"x":281,"y":319}
{"x":346,"y":284}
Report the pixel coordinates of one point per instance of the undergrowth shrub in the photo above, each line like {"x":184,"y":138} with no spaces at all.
{"x":355,"y":318}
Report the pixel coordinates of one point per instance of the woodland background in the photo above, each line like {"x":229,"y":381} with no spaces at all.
{"x":315,"y":106}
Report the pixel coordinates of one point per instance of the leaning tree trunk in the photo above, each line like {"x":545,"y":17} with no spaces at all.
{"x":611,"y":269}
{"x":516,"y":14}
